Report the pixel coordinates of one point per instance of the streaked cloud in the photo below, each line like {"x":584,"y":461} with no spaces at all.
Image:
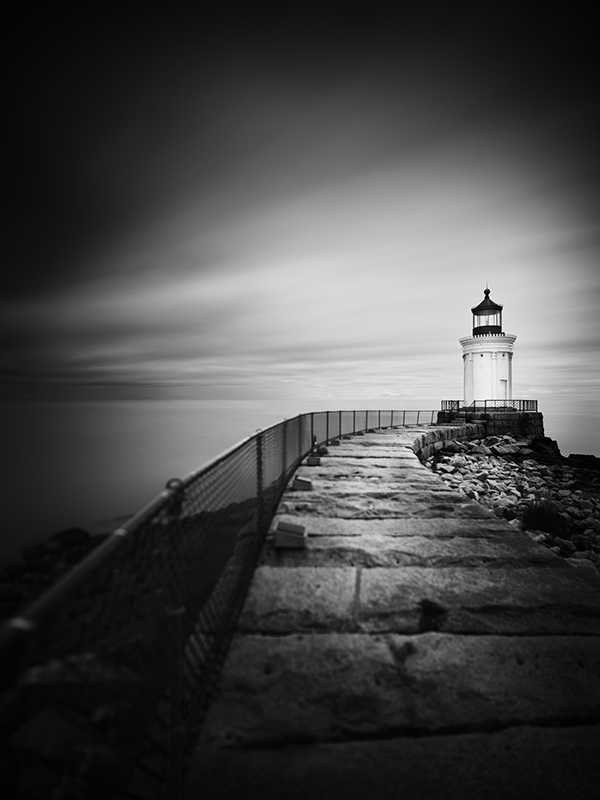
{"x":274,"y":224}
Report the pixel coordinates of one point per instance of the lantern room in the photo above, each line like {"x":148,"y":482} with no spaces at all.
{"x":487,"y":316}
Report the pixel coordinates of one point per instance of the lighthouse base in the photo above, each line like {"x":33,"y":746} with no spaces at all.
{"x":498,"y":423}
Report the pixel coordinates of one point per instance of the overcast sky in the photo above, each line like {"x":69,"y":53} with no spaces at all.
{"x":274,"y":211}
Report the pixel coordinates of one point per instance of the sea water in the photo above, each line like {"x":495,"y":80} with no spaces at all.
{"x":93,"y":464}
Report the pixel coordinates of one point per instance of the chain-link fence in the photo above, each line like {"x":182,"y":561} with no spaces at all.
{"x":107,"y":676}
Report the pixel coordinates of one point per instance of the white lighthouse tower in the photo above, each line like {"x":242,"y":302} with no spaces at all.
{"x":487,"y":355}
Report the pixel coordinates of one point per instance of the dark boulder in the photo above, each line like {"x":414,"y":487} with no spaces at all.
{"x":71,"y":537}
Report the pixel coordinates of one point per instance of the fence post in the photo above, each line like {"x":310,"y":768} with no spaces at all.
{"x":283,"y":455}
{"x":340,"y":425}
{"x":259,"y":482}
{"x":327,"y":428}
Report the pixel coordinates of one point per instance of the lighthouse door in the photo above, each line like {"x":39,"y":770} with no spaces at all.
{"x":503,"y":390}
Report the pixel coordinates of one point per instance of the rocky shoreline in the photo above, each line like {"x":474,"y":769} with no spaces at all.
{"x":555,"y":500}
{"x":41,"y":565}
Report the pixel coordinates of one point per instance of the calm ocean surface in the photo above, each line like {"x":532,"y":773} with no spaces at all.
{"x":87,"y":464}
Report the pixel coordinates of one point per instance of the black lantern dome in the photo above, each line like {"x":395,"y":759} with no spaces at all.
{"x":487,"y":316}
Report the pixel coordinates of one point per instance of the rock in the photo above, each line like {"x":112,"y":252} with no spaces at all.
{"x":565,"y":544}
{"x":592,"y":522}
{"x":585,"y":461}
{"x":509,"y":487}
{"x":505,"y":449}
{"x":71,"y":537}
{"x":491,"y":440}
{"x":538,"y":536}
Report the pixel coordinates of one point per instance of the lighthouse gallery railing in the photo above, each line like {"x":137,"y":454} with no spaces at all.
{"x":106,"y":677}
{"x":483,"y":406}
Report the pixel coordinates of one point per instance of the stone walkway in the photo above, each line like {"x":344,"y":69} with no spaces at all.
{"x":419,"y":647}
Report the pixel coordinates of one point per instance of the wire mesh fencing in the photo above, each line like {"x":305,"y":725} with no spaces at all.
{"x":107,"y":676}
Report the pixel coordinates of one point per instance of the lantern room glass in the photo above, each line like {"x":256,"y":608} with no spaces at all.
{"x":487,"y":322}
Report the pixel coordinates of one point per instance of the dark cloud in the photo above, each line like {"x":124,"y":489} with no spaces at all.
{"x":125,"y":113}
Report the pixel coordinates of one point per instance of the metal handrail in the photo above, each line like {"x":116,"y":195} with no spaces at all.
{"x":30,"y":617}
{"x":155,"y":605}
{"x":483,"y":406}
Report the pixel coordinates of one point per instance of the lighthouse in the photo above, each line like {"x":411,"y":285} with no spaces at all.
{"x":487,"y":355}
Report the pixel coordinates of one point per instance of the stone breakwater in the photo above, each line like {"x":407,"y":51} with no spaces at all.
{"x":555,"y":500}
{"x":418,"y":646}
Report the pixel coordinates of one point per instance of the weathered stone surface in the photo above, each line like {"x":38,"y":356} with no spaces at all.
{"x":402,"y":460}
{"x":392,"y":440}
{"x":292,"y":599}
{"x":549,"y":763}
{"x":354,"y":654}
{"x":479,"y":600}
{"x":328,"y":687}
{"x":364,"y":469}
{"x":330,"y":478}
{"x":369,"y":485}
{"x":438,"y":527}
{"x":415,"y":599}
{"x":375,"y":504}
{"x":378,"y":550}
{"x":357,"y":450}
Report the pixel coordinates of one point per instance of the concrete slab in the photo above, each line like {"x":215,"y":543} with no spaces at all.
{"x":379,"y":505}
{"x":370,"y":450}
{"x":479,"y":600}
{"x":456,"y":599}
{"x":285,"y":689}
{"x":399,"y":437}
{"x":370,"y":484}
{"x":293,"y":599}
{"x":550,"y":763}
{"x":366,"y":472}
{"x":378,"y":550}
{"x":437,"y":527}
{"x":402,"y":460}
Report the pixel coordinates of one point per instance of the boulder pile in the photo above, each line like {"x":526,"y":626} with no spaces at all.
{"x":41,"y":565}
{"x":556,"y":500}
